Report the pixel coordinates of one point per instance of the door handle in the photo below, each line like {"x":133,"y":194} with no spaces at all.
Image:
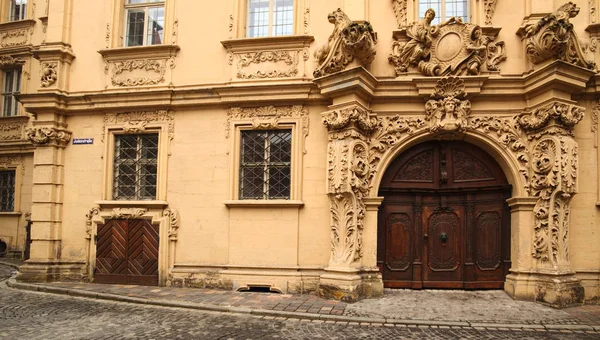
{"x":425,"y":237}
{"x":443,"y":237}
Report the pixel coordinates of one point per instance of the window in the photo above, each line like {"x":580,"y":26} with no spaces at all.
{"x":7,"y":190}
{"x":445,"y":9}
{"x":11,"y":88}
{"x":270,"y":18}
{"x":265,"y":160}
{"x":144,"y":22}
{"x":135,"y":167}
{"x":17,"y":10}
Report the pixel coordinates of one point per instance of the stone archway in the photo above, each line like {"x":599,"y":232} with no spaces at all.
{"x":536,"y":150}
{"x":444,"y":221}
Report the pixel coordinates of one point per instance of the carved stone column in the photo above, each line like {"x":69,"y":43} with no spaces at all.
{"x":45,"y":262}
{"x":553,"y":182}
{"x":347,"y":277}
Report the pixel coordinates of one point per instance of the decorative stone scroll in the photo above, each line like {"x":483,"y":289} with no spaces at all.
{"x":348,"y":180}
{"x":490,"y":8}
{"x":140,"y":71}
{"x":48,"y":135}
{"x":10,"y":61}
{"x":49,"y":73}
{"x":127,"y":213}
{"x":348,"y":41}
{"x":172,"y":216}
{"x":448,"y":109}
{"x":449,"y":48}
{"x":15,"y":38}
{"x":553,"y":37}
{"x":400,"y":10}
{"x":89,"y":220}
{"x":283,"y":64}
{"x":11,"y":131}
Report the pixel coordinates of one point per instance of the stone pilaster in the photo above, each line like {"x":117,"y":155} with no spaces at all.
{"x":347,"y":278}
{"x":45,"y":264}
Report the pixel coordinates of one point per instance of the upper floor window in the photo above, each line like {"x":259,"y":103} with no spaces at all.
{"x":135,"y":167}
{"x":144,"y":22}
{"x":265,"y":164}
{"x":7,"y":190}
{"x":445,"y":9}
{"x":10,"y":89}
{"x":270,"y":18}
{"x":17,"y":10}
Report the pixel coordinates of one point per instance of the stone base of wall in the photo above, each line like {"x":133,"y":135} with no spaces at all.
{"x":50,"y":271}
{"x":557,"y":291}
{"x":282,"y":280}
{"x":350,"y":286}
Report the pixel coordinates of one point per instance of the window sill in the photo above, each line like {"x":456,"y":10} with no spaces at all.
{"x":261,"y":43}
{"x":10,"y":213}
{"x":139,"y":52}
{"x":264,"y":203}
{"x":17,"y":24}
{"x":131,"y":204}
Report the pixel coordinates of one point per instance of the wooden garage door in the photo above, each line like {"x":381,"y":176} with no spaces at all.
{"x":127,"y":252}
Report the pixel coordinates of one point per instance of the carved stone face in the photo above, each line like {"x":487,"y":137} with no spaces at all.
{"x":449,"y":107}
{"x":429,"y":15}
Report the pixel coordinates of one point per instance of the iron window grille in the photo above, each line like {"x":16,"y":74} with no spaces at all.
{"x":7,"y":190}
{"x":144,"y":22}
{"x":11,"y":88}
{"x":445,"y":9}
{"x":135,"y":167}
{"x":270,"y":18}
{"x":17,"y":10}
{"x":265,"y":164}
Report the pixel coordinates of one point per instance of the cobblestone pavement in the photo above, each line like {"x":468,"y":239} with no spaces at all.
{"x":33,"y":315}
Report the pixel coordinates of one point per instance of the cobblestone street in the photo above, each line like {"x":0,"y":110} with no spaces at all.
{"x":33,"y":315}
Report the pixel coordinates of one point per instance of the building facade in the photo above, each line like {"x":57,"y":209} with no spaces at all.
{"x":330,"y":147}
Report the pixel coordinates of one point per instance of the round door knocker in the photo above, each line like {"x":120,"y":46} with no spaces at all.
{"x":444,"y":237}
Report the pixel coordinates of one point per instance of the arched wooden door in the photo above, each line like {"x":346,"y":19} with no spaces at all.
{"x":444,"y":222}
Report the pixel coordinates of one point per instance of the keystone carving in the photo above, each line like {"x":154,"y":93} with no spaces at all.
{"x":553,"y":37}
{"x":448,"y":109}
{"x":48,"y":135}
{"x":49,"y":73}
{"x":449,"y":48}
{"x":348,"y":41}
{"x":127,"y":213}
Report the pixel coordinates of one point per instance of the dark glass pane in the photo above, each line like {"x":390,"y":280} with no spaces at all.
{"x":253,"y":147}
{"x":135,"y":27}
{"x":7,"y":190}
{"x":252,"y":183}
{"x":279,"y":182}
{"x":281,"y":146}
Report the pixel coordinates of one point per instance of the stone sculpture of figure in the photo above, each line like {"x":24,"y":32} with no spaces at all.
{"x":410,"y":53}
{"x":554,"y":37}
{"x":478,"y":49}
{"x":349,"y":40}
{"x":448,"y":109}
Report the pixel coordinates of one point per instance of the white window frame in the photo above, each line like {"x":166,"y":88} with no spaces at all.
{"x":270,"y":32}
{"x":146,"y":5}
{"x":22,"y":10}
{"x":440,"y":16}
{"x":15,"y":90}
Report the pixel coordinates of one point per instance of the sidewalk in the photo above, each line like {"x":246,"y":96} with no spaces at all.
{"x":472,"y":309}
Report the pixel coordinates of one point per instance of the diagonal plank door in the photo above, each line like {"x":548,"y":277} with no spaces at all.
{"x":127,"y":252}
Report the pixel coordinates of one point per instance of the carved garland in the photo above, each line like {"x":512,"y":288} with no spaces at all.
{"x":48,"y":135}
{"x":16,"y":34}
{"x":490,"y":8}
{"x":290,"y":58}
{"x":400,"y":10}
{"x":11,"y":132}
{"x":135,"y":122}
{"x":8,"y":161}
{"x":158,"y":67}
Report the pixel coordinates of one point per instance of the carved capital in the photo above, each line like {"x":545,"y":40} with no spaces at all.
{"x":348,"y":41}
{"x":554,"y":118}
{"x":353,"y":118}
{"x":48,"y":135}
{"x":554,"y":37}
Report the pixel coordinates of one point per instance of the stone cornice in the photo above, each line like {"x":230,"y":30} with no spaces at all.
{"x":139,"y":52}
{"x":280,"y":42}
{"x":354,"y":81}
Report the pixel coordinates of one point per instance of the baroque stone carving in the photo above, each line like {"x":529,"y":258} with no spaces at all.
{"x":137,"y":121}
{"x":594,"y":117}
{"x":88,"y":221}
{"x":267,"y":117}
{"x":140,"y":71}
{"x":172,"y":216}
{"x":449,"y":48}
{"x":554,"y":118}
{"x":11,"y":131}
{"x":49,"y":73}
{"x":48,"y":135}
{"x":14,"y":38}
{"x":489,"y":7}
{"x":7,"y":60}
{"x":7,"y":162}
{"x":288,"y":58}
{"x":348,"y":41}
{"x":400,"y":10}
{"x":448,"y":109}
{"x":553,"y":37}
{"x":127,"y":213}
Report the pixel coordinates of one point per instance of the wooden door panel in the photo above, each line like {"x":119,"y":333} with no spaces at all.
{"x":398,"y":242}
{"x":488,"y":243}
{"x":111,"y":252}
{"x":142,"y":253}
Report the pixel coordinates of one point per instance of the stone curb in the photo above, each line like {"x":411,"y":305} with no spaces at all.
{"x":290,"y":315}
{"x":9,"y":264}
